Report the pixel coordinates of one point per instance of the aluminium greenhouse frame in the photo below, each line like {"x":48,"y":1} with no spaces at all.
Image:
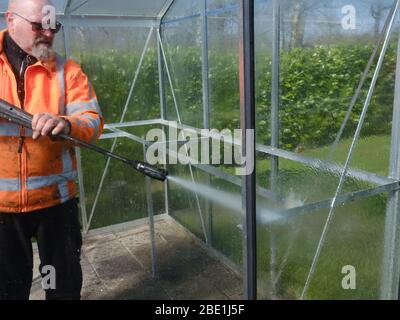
{"x":389,"y":185}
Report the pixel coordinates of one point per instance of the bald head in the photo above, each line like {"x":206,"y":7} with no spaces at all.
{"x":28,"y":8}
{"x":33,"y":40}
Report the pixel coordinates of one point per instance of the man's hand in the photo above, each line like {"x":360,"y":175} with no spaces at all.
{"x":44,"y":124}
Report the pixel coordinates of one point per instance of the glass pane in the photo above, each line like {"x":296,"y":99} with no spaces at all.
{"x":227,"y":235}
{"x":123,"y":193}
{"x":111,"y":62}
{"x":186,"y":204}
{"x":298,"y":183}
{"x":182,"y":47}
{"x":355,"y":238}
{"x":263,"y":24}
{"x":140,"y":8}
{"x":223,"y":43}
{"x":182,"y":9}
{"x":322,"y":61}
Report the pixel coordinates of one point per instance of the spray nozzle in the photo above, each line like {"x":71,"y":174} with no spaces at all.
{"x":150,"y":171}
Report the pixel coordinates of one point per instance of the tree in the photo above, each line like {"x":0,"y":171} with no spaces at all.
{"x":377,"y":12}
{"x":297,"y":12}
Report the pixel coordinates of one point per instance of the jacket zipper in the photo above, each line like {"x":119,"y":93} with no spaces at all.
{"x":21,"y":143}
{"x":2,"y":76}
{"x":22,"y":154}
{"x":22,"y":161}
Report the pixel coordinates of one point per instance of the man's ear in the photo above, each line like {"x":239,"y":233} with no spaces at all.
{"x":10,"y":20}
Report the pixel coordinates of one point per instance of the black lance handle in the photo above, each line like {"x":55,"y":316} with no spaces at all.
{"x":23,"y":118}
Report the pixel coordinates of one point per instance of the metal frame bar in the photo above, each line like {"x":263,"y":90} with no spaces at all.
{"x":180,"y":19}
{"x":131,"y":124}
{"x":324,"y":165}
{"x":161,"y":79}
{"x":108,"y":21}
{"x":150,"y":212}
{"x":275,"y":90}
{"x":206,"y":108}
{"x":130,"y":136}
{"x":67,"y":5}
{"x":164,"y":10}
{"x":247,"y":124}
{"x":342,"y":199}
{"x":112,"y":135}
{"x":205,"y":68}
{"x":78,"y":6}
{"x":391,"y":264}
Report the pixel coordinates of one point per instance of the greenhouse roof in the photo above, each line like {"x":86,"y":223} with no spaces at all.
{"x":141,"y":8}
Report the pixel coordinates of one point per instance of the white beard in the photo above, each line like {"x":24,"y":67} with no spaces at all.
{"x":43,"y":52}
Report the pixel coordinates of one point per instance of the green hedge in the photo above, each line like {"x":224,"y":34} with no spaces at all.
{"x":317,"y":85}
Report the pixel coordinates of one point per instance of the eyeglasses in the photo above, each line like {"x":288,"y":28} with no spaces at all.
{"x":38,"y":26}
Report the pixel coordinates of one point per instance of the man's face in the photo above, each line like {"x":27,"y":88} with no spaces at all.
{"x":35,"y":41}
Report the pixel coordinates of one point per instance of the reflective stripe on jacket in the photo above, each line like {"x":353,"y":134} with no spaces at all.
{"x":43,"y":174}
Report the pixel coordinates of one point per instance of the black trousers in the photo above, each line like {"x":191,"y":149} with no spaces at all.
{"x":59,"y":240}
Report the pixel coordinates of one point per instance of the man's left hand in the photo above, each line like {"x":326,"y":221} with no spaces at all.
{"x":44,"y":124}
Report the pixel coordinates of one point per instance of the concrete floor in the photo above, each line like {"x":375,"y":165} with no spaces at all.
{"x":117,"y":265}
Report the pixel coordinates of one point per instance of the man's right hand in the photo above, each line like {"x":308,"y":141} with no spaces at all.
{"x":44,"y":124}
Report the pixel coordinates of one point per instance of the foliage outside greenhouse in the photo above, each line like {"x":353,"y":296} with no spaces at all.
{"x":317,"y":85}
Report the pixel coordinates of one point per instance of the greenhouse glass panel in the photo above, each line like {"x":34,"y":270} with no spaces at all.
{"x":354,"y":239}
{"x":313,"y":39}
{"x":117,"y":184}
{"x":181,"y":47}
{"x":123,"y":68}
{"x":223,"y":44}
{"x":182,"y":10}
{"x":312,"y":34}
{"x":139,"y":8}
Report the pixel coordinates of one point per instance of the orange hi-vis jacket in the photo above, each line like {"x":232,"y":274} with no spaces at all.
{"x":42,"y":174}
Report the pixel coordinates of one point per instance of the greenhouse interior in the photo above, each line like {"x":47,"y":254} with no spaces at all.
{"x":318,"y":81}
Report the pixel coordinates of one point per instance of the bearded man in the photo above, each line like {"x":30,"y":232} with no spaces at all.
{"x":38,"y":172}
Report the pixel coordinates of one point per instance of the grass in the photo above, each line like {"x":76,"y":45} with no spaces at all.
{"x":371,"y":154}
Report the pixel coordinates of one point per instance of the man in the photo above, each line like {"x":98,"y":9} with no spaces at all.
{"x":37,"y":171}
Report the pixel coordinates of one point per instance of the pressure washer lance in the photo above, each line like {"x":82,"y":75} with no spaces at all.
{"x":23,"y":118}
